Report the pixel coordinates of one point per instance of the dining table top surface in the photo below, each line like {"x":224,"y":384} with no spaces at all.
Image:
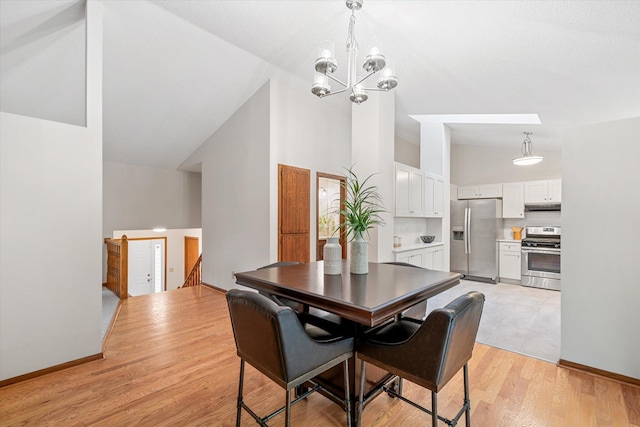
{"x":368,"y":299}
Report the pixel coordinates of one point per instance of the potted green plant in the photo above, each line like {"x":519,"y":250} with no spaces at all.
{"x":361,"y":212}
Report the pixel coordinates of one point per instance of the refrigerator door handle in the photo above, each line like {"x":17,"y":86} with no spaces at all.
{"x":468,"y":233}
{"x":466,"y":230}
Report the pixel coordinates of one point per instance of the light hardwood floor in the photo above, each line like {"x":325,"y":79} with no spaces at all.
{"x":171,"y":360}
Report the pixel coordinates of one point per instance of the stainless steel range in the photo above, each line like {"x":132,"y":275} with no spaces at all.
{"x":541,"y":257}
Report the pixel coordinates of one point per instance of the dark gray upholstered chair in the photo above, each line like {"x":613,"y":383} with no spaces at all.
{"x":271,"y":338}
{"x":426,"y":353}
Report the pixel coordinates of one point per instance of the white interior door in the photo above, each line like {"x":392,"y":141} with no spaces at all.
{"x":140,"y":267}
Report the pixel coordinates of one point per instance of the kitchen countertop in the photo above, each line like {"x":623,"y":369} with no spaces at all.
{"x":414,"y":246}
{"x":509,"y":240}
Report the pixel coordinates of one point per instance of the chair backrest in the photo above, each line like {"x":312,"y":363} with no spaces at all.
{"x":271,"y":338}
{"x":280,"y":300}
{"x":403,"y":264}
{"x":444,"y":342}
{"x":280,"y":264}
{"x":463,"y":317}
{"x":256,"y":322}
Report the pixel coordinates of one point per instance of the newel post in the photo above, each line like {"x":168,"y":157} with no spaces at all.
{"x":124,"y":267}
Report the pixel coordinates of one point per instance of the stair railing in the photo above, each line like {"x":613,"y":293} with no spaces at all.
{"x":117,"y":266}
{"x":195,"y":276}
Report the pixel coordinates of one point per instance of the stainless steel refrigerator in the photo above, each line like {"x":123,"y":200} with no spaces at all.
{"x":475,"y":226}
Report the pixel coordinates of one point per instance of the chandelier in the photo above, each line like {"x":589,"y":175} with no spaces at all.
{"x":527,"y":158}
{"x":375,"y":61}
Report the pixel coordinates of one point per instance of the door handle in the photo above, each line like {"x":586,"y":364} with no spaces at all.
{"x":468,"y":233}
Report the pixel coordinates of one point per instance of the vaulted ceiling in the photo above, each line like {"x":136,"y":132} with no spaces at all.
{"x":174,"y":71}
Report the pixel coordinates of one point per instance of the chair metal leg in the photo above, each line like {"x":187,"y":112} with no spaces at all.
{"x":239,"y":404}
{"x":467,"y":413}
{"x":434,"y":409}
{"x":287,"y":412}
{"x":361,"y":399}
{"x":347,"y":394}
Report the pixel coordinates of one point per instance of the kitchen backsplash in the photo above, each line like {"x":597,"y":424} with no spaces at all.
{"x":531,"y":218}
{"x":410,"y":229}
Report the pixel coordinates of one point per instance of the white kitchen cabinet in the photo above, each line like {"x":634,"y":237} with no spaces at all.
{"x":434,"y":258}
{"x":510,"y":262}
{"x":513,"y":200}
{"x":434,"y":196}
{"x":413,"y":257}
{"x":410,"y":191}
{"x":487,"y":191}
{"x":544,"y":191}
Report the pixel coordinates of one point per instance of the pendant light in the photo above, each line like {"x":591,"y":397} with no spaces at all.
{"x":527,"y":158}
{"x":375,"y":61}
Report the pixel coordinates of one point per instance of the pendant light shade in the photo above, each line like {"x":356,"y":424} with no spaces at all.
{"x":527,"y":157}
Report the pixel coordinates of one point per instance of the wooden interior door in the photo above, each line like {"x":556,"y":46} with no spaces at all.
{"x":191,"y":253}
{"x":294,"y":204}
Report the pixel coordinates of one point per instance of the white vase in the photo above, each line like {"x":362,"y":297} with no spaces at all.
{"x":359,"y":261}
{"x":332,"y":256}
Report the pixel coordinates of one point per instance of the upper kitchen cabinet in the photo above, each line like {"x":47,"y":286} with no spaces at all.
{"x":513,"y":200}
{"x":488,"y":191}
{"x":434,"y":196}
{"x":410,"y":191}
{"x":544,"y":191}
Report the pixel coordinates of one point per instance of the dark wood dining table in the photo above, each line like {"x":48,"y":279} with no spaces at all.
{"x":361,"y":300}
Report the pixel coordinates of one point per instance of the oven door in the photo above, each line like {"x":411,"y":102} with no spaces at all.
{"x":544,"y":263}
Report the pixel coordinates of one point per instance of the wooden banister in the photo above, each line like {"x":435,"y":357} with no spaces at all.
{"x":117,"y":266}
{"x":195,"y":276}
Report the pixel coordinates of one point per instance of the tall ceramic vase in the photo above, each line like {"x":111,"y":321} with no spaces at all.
{"x":359,"y":260}
{"x":332,"y":256}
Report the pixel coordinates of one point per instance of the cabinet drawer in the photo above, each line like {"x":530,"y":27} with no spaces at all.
{"x":506,"y":246}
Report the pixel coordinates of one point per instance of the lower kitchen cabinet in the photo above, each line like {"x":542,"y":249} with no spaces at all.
{"x":434,"y":258}
{"x":431,"y":257}
{"x":510,"y":262}
{"x":413,"y":257}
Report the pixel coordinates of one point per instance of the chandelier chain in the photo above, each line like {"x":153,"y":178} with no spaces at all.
{"x":352,"y":43}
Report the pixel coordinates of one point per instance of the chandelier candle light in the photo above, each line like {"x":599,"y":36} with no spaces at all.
{"x":375,"y":61}
{"x":527,"y":158}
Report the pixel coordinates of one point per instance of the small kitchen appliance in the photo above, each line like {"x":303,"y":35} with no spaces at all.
{"x":517,"y":232}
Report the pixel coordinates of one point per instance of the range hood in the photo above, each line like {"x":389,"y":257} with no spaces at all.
{"x":542,"y":207}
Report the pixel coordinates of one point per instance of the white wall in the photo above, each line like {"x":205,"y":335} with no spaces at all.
{"x":141,"y":197}
{"x":51,"y":180}
{"x":472,"y":164}
{"x":372,"y":134}
{"x":435,"y":157}
{"x":407,"y":153}
{"x":600,"y":252}
{"x":306,"y":132}
{"x":235,"y":194}
{"x":175,"y":249}
{"x":281,"y":123}
{"x":42,"y":72}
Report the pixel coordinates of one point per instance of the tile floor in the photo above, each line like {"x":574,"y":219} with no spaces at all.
{"x":515,"y":318}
